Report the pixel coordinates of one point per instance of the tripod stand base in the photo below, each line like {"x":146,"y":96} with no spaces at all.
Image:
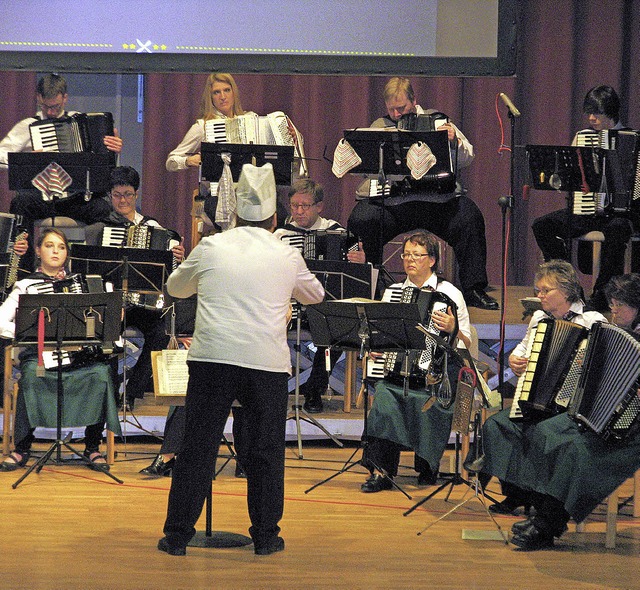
{"x":298,"y":414}
{"x":219,"y":540}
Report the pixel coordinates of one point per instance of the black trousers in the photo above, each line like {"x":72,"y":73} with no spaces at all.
{"x":552,"y":230}
{"x":458,"y":222}
{"x":210,"y":393}
{"x":174,"y":429}
{"x":151,"y":324}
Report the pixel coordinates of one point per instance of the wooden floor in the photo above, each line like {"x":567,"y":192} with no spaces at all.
{"x":71,"y":528}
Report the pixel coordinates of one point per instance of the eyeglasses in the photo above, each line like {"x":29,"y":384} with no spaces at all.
{"x":303,"y":206}
{"x":617,"y":305}
{"x":411,"y":256}
{"x":51,"y":108}
{"x":127,"y":196}
{"x":544,"y":292}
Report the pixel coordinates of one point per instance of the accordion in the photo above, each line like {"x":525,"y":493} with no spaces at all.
{"x":606,"y":398}
{"x":75,"y":359}
{"x":327,"y":244}
{"x":424,"y":122}
{"x":554,"y":346}
{"x":618,"y":161}
{"x":148,"y":237}
{"x":271,"y":129}
{"x":394,"y":365}
{"x":74,"y":283}
{"x":10,"y":233}
{"x":82,"y":132}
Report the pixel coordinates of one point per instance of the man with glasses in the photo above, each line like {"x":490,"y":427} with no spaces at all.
{"x":398,"y":419}
{"x":413,"y":204}
{"x":306,"y":201}
{"x":51,"y":94}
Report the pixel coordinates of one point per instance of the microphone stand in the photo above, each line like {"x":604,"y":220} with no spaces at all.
{"x":506,"y":204}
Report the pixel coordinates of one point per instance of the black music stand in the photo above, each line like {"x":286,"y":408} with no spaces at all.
{"x":384,"y":155}
{"x":129,"y":269}
{"x":365,"y":326}
{"x":280,"y":156}
{"x":340,"y":279}
{"x":565,"y":168}
{"x":67,"y":324}
{"x":89,"y":172}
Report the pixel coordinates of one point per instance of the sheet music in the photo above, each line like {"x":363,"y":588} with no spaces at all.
{"x":173,"y":373}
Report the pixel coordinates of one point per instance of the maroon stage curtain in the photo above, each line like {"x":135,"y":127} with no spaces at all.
{"x":17,"y":101}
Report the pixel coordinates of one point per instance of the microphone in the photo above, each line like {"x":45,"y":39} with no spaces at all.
{"x":512,"y":108}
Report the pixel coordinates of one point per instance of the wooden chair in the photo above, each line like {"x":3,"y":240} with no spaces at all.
{"x":596,"y":238}
{"x":9,"y":409}
{"x":612,"y":503}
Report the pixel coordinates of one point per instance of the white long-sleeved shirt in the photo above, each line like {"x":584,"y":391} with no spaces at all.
{"x":19,"y":138}
{"x":245,"y":278}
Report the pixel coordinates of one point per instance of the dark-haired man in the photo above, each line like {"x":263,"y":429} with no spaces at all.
{"x":52,"y":96}
{"x":602,"y":108}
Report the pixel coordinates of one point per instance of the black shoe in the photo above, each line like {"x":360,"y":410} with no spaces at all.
{"x":478,"y":298}
{"x":376,"y":483}
{"x":313,"y":405}
{"x":532,"y":539}
{"x":521,"y":526}
{"x":427,"y":478}
{"x":268,"y":548}
{"x":240,"y":473}
{"x":15,"y":463}
{"x":159,"y":468}
{"x":508,"y":506}
{"x":164,"y":545}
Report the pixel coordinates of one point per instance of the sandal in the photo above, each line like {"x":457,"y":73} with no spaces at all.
{"x":97,"y":459}
{"x":15,"y":460}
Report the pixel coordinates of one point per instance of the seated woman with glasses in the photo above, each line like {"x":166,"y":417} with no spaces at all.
{"x":557,"y":286}
{"x":398,"y":421}
{"x":37,"y":395}
{"x":574,"y":468}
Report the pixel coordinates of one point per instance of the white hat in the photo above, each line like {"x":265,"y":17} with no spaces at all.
{"x":256,"y":193}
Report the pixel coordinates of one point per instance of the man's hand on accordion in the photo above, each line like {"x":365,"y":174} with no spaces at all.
{"x":113,"y":142}
{"x":518,"y":364}
{"x":179,"y":252}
